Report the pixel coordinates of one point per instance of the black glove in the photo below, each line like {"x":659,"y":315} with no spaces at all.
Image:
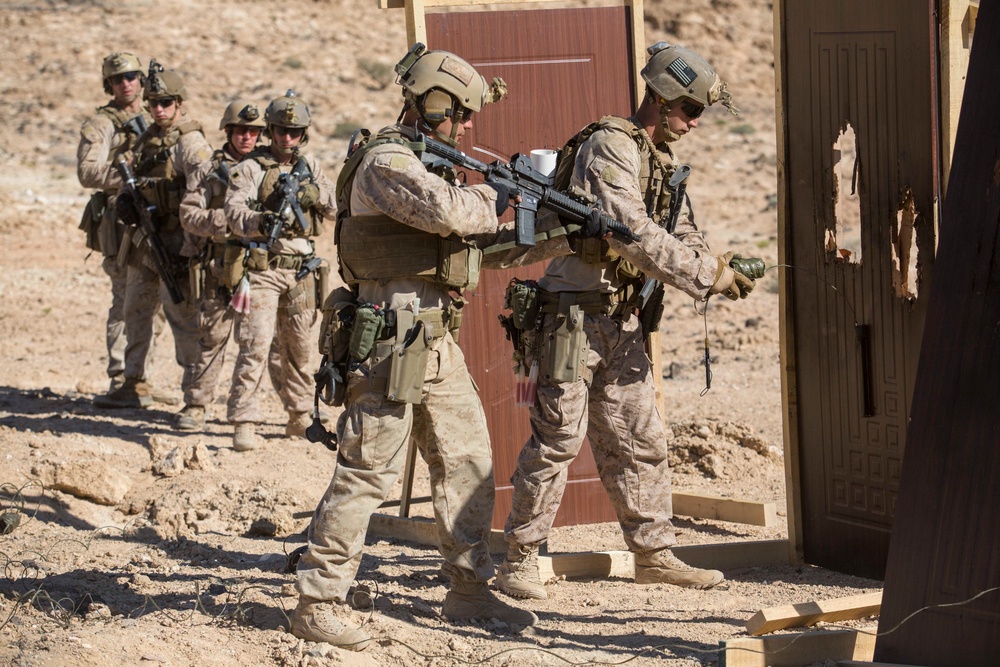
{"x":126,"y":211}
{"x":268,"y":224}
{"x":503,"y":196}
{"x":594,"y":226}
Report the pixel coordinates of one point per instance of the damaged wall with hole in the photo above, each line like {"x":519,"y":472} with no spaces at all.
{"x":859,"y":177}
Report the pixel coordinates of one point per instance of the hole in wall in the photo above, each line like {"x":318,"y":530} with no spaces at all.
{"x":844,"y":241}
{"x":904,"y":248}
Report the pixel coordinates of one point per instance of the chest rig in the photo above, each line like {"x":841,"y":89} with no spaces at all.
{"x":375,"y":247}
{"x":164,"y":185}
{"x":127,"y":130}
{"x":655,"y":171}
{"x":269,"y":196}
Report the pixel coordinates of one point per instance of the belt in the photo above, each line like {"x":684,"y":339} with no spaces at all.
{"x":293,"y":262}
{"x":591,"y":303}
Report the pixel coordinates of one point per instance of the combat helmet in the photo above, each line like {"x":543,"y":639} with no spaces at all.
{"x":441,"y":85}
{"x":120,"y":62}
{"x":674,"y":72}
{"x":242,"y":112}
{"x":163,"y":83}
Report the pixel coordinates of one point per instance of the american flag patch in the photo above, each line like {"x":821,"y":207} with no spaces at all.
{"x":682,"y":72}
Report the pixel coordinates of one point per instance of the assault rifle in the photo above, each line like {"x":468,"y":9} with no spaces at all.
{"x":289,"y":207}
{"x":534,"y":188}
{"x":144,"y":213}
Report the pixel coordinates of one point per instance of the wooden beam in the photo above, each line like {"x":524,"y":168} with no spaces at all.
{"x":399,"y":4}
{"x":588,"y":565}
{"x":638,"y":21}
{"x":416,"y":22}
{"x":726,"y":509}
{"x":421,"y":530}
{"x":810,"y":613}
{"x":796,"y":650}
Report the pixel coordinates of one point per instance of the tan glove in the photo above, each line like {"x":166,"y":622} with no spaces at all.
{"x":308,"y":195}
{"x":729,"y":283}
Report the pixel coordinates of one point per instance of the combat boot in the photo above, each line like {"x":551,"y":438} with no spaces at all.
{"x":663,"y":567}
{"x":472,"y":600}
{"x":518,"y":574}
{"x":298,"y":422}
{"x":244,"y":437}
{"x":322,"y":621}
{"x":191,"y":418}
{"x":132,"y":394}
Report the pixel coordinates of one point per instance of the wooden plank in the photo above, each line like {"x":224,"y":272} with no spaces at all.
{"x":811,"y":613}
{"x":399,"y":4}
{"x":416,"y":22}
{"x":958,"y":23}
{"x":795,"y":650}
{"x":420,"y":530}
{"x":723,"y":556}
{"x":749,"y":512}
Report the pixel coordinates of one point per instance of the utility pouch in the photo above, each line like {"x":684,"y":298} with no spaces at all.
{"x":409,"y":365}
{"x":322,"y":276}
{"x":257,"y":259}
{"x":564,"y":352}
{"x":90,"y":223}
{"x":335,"y":330}
{"x":233,"y":266}
{"x":455,"y":317}
{"x":369,"y":322}
{"x":196,"y":279}
{"x":521,"y":298}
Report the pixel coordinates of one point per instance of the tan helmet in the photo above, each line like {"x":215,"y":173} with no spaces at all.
{"x":435,"y":82}
{"x":674,"y":72}
{"x":242,"y":112}
{"x":288,"y":111}
{"x":163,"y":83}
{"x":119,"y":62}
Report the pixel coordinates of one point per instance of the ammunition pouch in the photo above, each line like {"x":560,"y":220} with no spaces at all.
{"x":369,"y":323}
{"x":90,"y":222}
{"x":521,"y":298}
{"x":233,"y":266}
{"x":334,"y":344}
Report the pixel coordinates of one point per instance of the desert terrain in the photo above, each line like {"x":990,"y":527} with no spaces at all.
{"x":133,"y":544}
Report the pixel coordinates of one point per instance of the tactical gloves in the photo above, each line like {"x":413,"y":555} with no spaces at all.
{"x":503,"y":196}
{"x":730,"y":283}
{"x":309,"y":195}
{"x":595,"y":226}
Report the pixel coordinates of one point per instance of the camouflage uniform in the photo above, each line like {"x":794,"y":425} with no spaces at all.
{"x":614,"y":401}
{"x":280,"y":305}
{"x":102,"y":138}
{"x":448,"y":425}
{"x":166,"y":157}
{"x":203,"y":217}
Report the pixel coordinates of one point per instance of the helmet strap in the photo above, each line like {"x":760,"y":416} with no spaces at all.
{"x":665,"y":109}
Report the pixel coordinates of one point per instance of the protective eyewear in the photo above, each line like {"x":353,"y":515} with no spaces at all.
{"x":127,"y":76}
{"x":293,"y":132}
{"x":162,"y":102}
{"x":692,"y":110}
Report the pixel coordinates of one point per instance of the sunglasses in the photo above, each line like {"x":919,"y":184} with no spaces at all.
{"x":162,"y":102}
{"x":127,"y":76}
{"x":293,"y":132}
{"x":692,"y":110}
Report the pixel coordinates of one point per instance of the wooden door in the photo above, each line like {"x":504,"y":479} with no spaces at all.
{"x":565,"y":68}
{"x":860,"y":177}
{"x":945,"y":557}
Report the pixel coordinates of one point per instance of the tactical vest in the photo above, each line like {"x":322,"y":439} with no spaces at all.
{"x":654,"y":174}
{"x":375,"y":247}
{"x":125,"y":137}
{"x":164,"y":186}
{"x":270,"y":198}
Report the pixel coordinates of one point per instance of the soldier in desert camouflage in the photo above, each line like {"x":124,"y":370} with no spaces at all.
{"x":111,"y":132}
{"x":282,"y":275}
{"x":203,"y":217}
{"x":402,"y":250}
{"x":594,"y":376}
{"x":166,"y":155}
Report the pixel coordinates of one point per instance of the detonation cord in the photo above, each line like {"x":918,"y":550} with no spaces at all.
{"x":704,"y":314}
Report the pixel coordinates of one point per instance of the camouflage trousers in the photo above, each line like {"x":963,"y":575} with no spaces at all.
{"x":144,"y":292}
{"x":449,"y":430}
{"x":279,"y":325}
{"x":618,"y":413}
{"x":115,"y":329}
{"x":215,"y":323}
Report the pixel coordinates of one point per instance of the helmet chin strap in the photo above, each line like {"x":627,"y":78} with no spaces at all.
{"x":669,"y":135}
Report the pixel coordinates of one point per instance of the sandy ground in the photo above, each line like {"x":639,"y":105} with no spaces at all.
{"x":163,"y":548}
